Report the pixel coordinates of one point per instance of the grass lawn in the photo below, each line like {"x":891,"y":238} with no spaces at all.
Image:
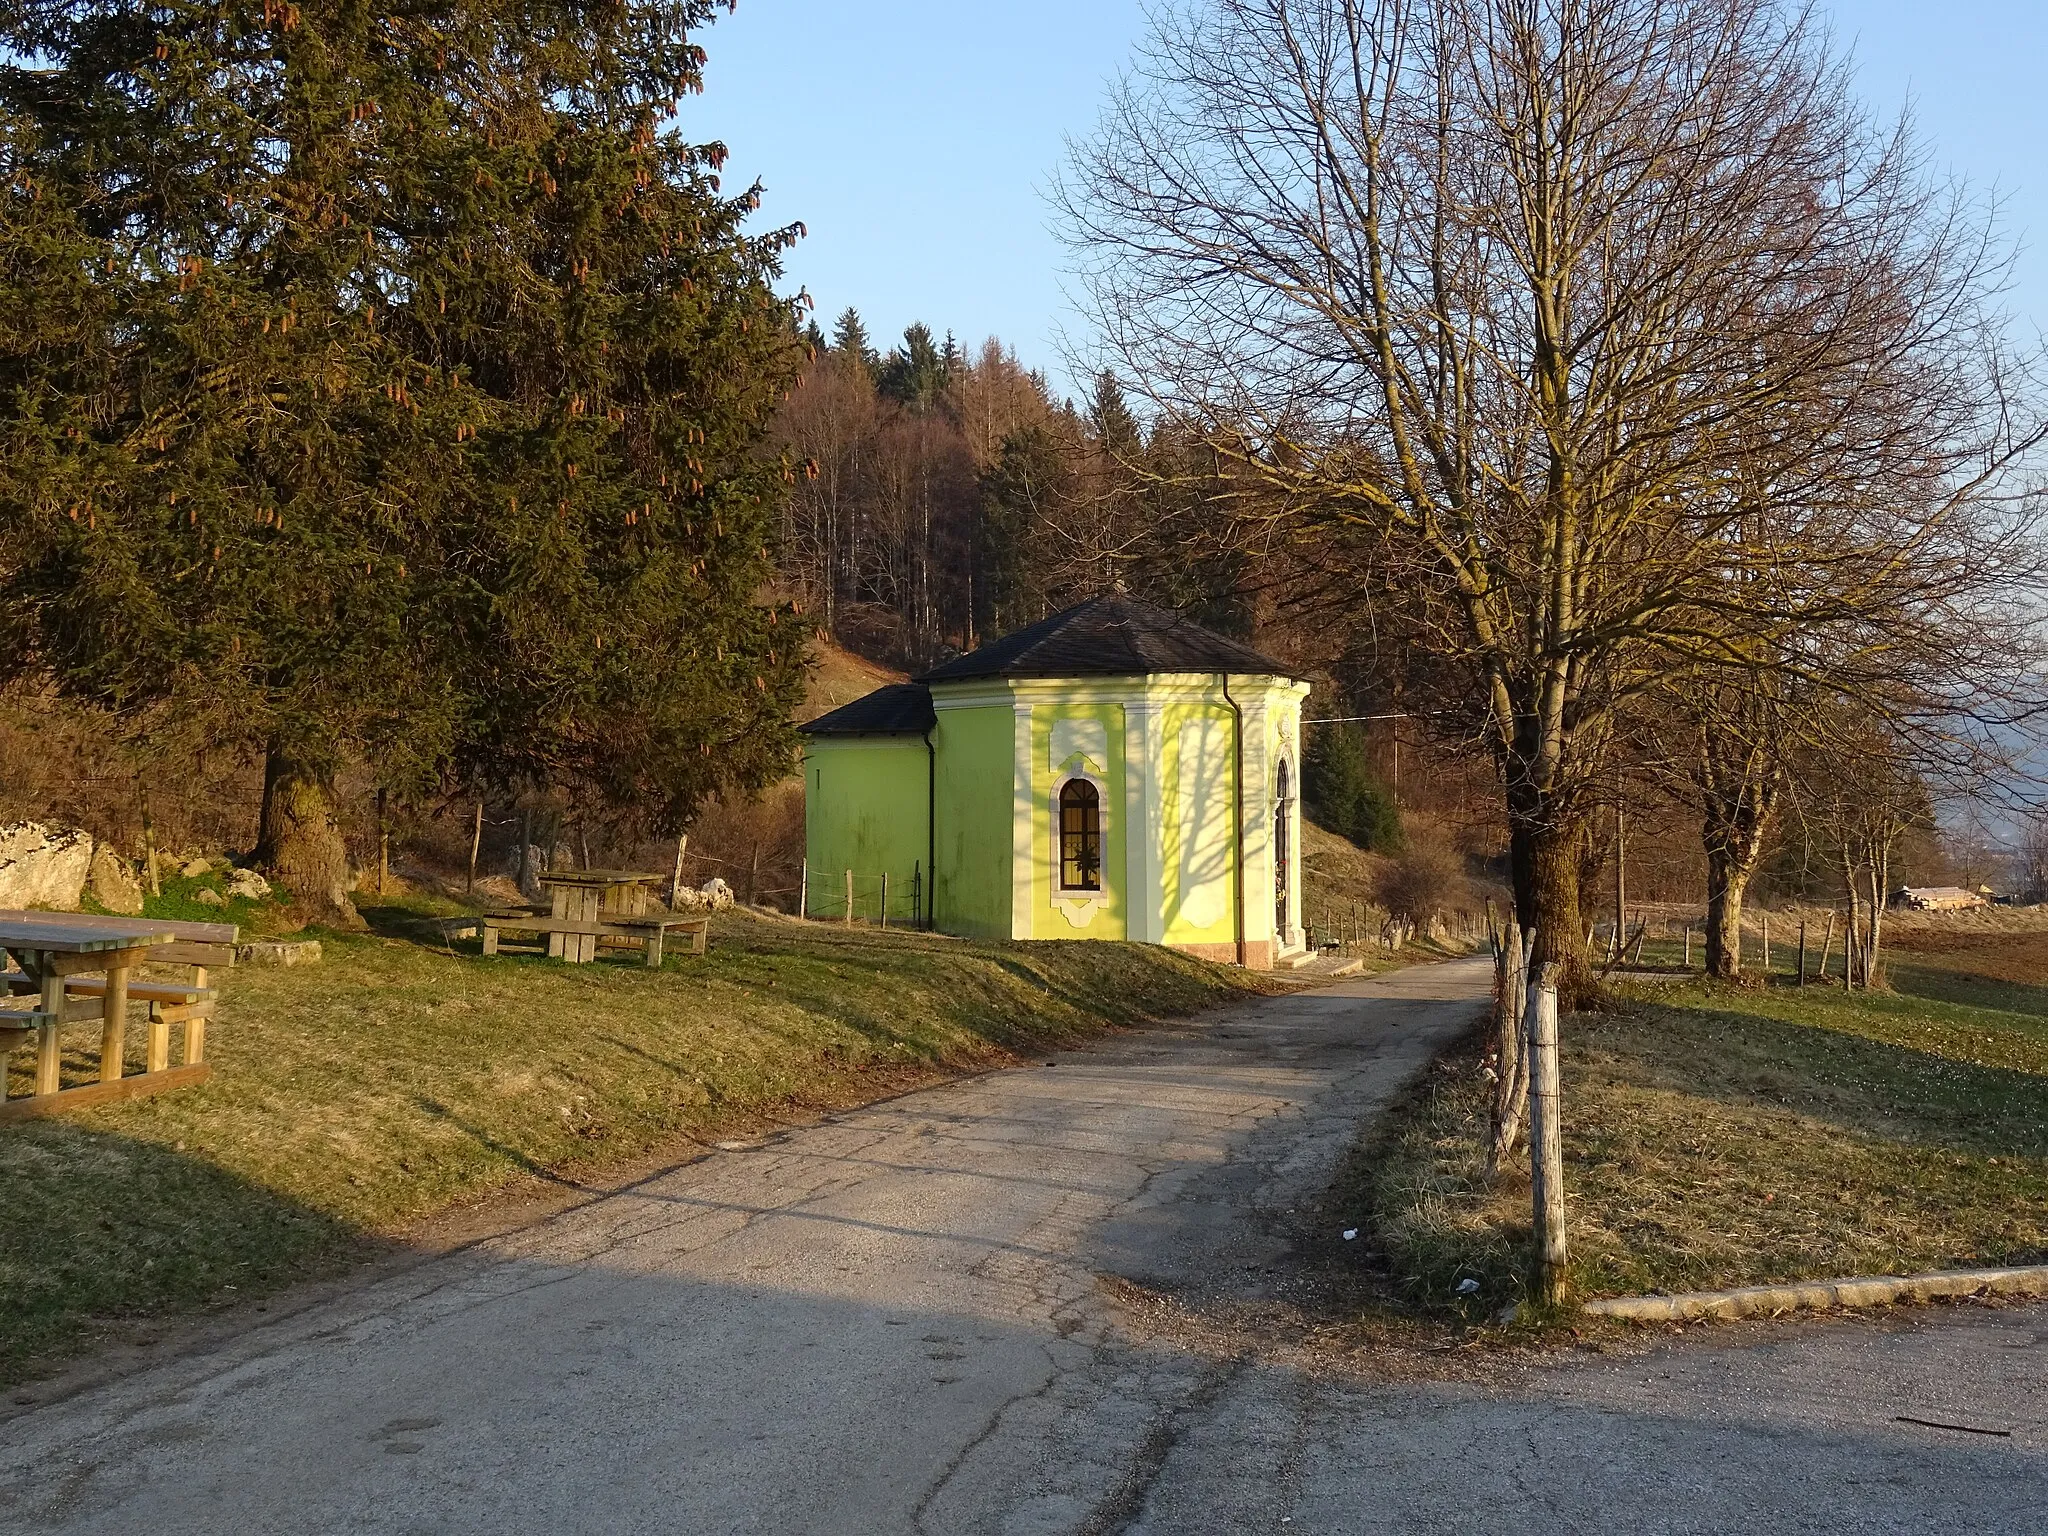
{"x":1719,"y":1136}
{"x":399,"y":1077}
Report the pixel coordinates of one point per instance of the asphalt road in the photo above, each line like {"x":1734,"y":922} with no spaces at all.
{"x":919,"y":1317}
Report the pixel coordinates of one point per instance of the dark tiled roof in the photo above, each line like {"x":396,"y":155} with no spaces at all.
{"x":901,"y":709}
{"x":1108,"y":637}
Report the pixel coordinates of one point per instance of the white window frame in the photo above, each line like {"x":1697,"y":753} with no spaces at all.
{"x":1061,"y":891}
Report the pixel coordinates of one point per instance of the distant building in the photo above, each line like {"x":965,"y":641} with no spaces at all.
{"x":1937,"y":898}
{"x":1114,"y":772}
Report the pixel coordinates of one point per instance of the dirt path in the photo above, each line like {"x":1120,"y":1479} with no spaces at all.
{"x":897,"y":1321}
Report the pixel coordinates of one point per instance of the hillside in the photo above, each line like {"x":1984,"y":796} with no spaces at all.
{"x":839,"y":677}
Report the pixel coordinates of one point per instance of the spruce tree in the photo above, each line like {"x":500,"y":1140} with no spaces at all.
{"x":413,"y":409}
{"x":1116,"y":429}
{"x":1341,"y":793}
{"x":1031,"y":477}
{"x":850,"y":341}
{"x":915,"y":376}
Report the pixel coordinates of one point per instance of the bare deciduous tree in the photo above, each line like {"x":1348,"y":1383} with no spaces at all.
{"x":1624,"y":339}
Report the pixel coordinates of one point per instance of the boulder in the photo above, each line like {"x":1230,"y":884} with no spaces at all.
{"x":536,"y":866}
{"x":714,"y":895}
{"x":248,"y":884}
{"x":43,"y":866}
{"x":207,"y":896}
{"x":279,"y":952}
{"x":197,"y":869}
{"x":114,"y":886}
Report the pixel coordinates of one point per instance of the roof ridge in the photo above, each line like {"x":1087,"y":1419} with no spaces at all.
{"x":1109,"y":634}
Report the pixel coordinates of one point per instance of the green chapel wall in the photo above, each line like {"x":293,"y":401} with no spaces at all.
{"x":1110,"y":919}
{"x":865,"y":810}
{"x":976,"y":749}
{"x":869,"y":812}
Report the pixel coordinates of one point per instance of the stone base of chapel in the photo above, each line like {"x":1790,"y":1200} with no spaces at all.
{"x":1258,"y":953}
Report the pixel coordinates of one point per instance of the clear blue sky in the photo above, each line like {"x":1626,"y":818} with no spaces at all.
{"x":914,"y":137}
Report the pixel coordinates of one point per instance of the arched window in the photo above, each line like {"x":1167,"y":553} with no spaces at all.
{"x":1080,"y":837}
{"x":1283,"y":847}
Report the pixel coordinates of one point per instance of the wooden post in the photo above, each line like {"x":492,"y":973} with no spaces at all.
{"x":885,"y":898}
{"x":675,"y":885}
{"x":525,"y":851}
{"x":383,"y":846}
{"x":50,"y":1047}
{"x":476,"y":843}
{"x":1827,"y":944}
{"x":114,"y":1024}
{"x":195,"y":1027}
{"x":849,"y":898}
{"x":1546,"y":1142}
{"x":1802,"y":952}
{"x":1767,"y":946}
{"x":1688,"y":946}
{"x":803,"y":889}
{"x":1620,"y":881}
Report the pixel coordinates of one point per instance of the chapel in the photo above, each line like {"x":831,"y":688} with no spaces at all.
{"x":1112,"y":772}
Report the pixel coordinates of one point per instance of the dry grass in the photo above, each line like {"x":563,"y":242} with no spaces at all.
{"x":1727,"y":1136}
{"x":399,"y":1077}
{"x":839,"y":676}
{"x":1336,"y":872}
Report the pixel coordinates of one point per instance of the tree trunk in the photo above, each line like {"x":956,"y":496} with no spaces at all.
{"x":299,"y":843}
{"x":1873,"y":954}
{"x":1851,"y":934}
{"x":1511,"y":1087}
{"x":1727,"y":883}
{"x":1545,"y":858}
{"x":1739,"y":807}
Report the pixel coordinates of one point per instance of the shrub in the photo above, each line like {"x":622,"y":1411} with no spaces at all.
{"x":1422,"y":882}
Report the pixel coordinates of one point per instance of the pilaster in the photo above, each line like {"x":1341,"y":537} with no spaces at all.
{"x":1023,"y":817}
{"x":1144,"y":829}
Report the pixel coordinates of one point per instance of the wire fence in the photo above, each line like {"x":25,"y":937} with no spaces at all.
{"x":1356,"y":928}
{"x":853,"y":898}
{"x":1682,"y":941}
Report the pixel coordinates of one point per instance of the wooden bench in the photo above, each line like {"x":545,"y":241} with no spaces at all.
{"x":651,"y":932}
{"x":195,"y":948}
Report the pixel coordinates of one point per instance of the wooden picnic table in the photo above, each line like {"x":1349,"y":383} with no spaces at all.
{"x":594,"y":897}
{"x":592,"y":907}
{"x":57,"y":955}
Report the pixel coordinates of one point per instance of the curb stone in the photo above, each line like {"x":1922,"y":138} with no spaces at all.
{"x":1816,"y":1295}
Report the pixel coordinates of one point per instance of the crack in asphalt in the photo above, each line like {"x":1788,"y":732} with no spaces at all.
{"x":1121,"y":1510}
